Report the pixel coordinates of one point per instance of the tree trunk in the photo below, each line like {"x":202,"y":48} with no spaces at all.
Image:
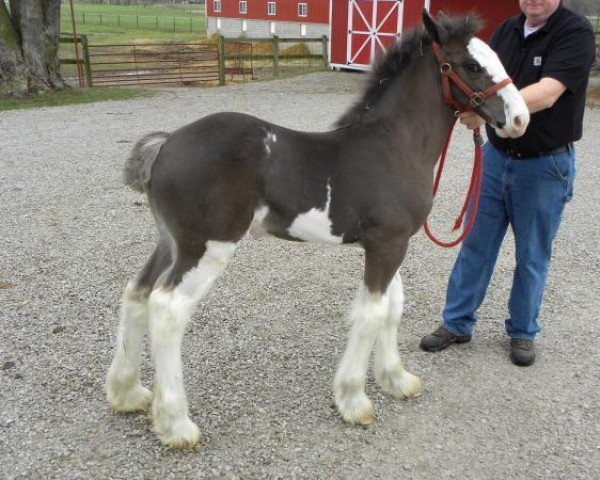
{"x":29,"y":43}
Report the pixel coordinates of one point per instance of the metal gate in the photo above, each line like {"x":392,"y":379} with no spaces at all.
{"x":154,"y":63}
{"x":372,"y":26}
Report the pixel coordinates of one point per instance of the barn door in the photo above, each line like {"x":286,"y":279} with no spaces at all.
{"x":372,"y":26}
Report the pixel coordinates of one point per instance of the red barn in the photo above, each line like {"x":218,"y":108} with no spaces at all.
{"x":358,"y":30}
{"x":263,"y":18}
{"x":362,"y":29}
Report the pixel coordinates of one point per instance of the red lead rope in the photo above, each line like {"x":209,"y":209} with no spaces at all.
{"x":472,"y":194}
{"x":476,"y":99}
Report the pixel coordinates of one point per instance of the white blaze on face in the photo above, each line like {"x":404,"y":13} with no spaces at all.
{"x":315,"y":225}
{"x":515,"y":109}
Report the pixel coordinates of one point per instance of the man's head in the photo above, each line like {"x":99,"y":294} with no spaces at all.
{"x":538,"y":11}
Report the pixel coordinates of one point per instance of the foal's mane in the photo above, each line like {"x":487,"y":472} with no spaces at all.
{"x":400,"y":56}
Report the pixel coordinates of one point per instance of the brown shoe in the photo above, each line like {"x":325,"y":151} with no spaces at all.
{"x":440,"y":339}
{"x":522,"y":352}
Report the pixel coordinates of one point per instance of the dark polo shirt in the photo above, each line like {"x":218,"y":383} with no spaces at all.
{"x":563,"y":49}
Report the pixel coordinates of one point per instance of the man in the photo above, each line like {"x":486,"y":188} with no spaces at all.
{"x":548,"y":51}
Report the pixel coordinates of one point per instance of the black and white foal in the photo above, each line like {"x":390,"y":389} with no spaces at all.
{"x":367,"y":182}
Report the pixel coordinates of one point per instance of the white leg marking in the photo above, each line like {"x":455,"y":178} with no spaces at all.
{"x":514,"y":105}
{"x":257,"y":230}
{"x":315,"y":225}
{"x":170,"y":312}
{"x":368,"y":315}
{"x":123,"y":388}
{"x":389,"y":372}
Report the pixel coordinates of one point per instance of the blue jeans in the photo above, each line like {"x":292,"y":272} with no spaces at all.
{"x":530,"y":196}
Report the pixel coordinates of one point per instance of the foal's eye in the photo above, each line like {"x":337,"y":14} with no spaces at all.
{"x":473,"y":67}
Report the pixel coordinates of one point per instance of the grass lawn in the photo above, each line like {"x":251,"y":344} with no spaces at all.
{"x":69,"y":97}
{"x":110,"y":24}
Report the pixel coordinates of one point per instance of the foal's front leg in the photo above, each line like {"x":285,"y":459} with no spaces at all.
{"x":375,"y":315}
{"x":367,"y":316}
{"x":389,"y":372}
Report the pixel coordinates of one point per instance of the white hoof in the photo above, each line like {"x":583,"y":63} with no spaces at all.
{"x":399,"y":383}
{"x":135,"y":399}
{"x":182,"y":434}
{"x":354,"y":406}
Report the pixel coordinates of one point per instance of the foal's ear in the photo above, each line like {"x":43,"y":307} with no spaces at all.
{"x":437,"y":32}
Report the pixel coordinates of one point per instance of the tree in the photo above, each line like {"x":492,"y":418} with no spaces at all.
{"x":29,"y":43}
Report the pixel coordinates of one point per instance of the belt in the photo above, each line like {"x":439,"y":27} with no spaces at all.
{"x":524,"y":155}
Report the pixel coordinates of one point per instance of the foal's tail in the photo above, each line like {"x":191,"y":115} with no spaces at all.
{"x":138,"y":167}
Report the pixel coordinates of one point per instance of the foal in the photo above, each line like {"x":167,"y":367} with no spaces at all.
{"x":367,"y":182}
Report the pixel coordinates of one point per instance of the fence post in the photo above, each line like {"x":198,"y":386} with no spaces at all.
{"x":275,"y":56}
{"x":221,"y":47}
{"x":325,"y":50}
{"x":137,"y":21}
{"x":157,"y":23}
{"x":100,"y":19}
{"x":86,"y":59}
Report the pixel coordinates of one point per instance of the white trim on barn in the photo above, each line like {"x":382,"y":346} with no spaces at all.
{"x":367,"y":34}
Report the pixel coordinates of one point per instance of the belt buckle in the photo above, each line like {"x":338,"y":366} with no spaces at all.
{"x":512,"y":153}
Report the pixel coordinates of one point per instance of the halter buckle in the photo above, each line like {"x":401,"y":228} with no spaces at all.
{"x":477,"y":99}
{"x":445,"y":68}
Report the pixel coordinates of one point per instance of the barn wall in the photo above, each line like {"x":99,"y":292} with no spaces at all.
{"x":286,"y":10}
{"x":232,"y":28}
{"x":493,"y":12}
{"x":287,"y":21}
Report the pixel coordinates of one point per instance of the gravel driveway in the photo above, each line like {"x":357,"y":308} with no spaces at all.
{"x":261,"y":352}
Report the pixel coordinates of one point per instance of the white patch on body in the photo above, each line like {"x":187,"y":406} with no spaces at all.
{"x":315,"y":225}
{"x":514,"y":105}
{"x":170,"y":312}
{"x":269,"y":139}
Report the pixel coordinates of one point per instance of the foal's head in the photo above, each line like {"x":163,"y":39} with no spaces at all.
{"x":480,"y":68}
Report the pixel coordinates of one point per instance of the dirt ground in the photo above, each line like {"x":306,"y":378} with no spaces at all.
{"x":261,"y":352}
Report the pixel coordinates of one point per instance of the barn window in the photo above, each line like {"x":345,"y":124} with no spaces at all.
{"x":243,"y":7}
{"x":303,"y":29}
{"x":217,"y":5}
{"x":244,"y":25}
{"x":272,"y":27}
{"x":302,"y":10}
{"x":271,"y":8}
{"x":218,"y":24}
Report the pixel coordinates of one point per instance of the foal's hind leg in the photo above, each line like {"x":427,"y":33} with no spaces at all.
{"x":389,"y":372}
{"x":170,"y":310}
{"x":124,"y":390}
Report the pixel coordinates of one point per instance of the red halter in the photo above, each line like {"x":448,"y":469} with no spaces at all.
{"x":476,"y":98}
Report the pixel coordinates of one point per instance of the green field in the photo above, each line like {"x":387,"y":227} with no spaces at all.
{"x":110,"y":24}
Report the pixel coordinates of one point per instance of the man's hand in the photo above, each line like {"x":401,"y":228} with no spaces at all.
{"x":471,"y":120}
